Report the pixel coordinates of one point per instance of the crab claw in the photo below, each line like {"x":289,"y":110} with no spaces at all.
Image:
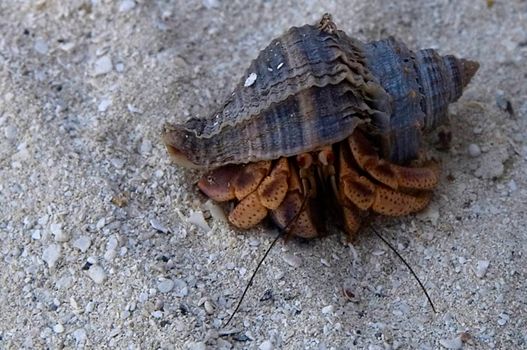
{"x":249,"y":178}
{"x":217,"y":184}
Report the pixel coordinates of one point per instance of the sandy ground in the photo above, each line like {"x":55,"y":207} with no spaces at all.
{"x":96,"y":245}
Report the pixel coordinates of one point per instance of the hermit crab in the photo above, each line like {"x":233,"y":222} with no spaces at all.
{"x":323,"y":126}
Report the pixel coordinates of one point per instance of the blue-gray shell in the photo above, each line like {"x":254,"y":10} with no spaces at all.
{"x":311,"y":88}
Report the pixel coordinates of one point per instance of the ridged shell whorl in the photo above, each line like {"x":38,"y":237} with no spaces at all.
{"x":311,"y":87}
{"x":421,"y":86}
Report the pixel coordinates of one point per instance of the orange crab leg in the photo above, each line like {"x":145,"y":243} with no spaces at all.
{"x":358,"y":189}
{"x":391,"y":203}
{"x":258,"y":191}
{"x":295,"y":212}
{"x":248,"y":213}
{"x":250,"y":177}
{"x":274,"y":187}
{"x":364,"y":194}
{"x":352,"y":219}
{"x":392,"y":175}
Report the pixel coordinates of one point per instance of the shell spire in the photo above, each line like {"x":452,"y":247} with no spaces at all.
{"x":469,"y":69}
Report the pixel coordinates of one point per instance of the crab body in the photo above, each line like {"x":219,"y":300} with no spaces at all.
{"x":321,"y":116}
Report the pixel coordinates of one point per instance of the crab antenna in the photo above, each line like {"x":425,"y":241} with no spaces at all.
{"x":252,"y":277}
{"x":284,"y":230}
{"x":407,"y":265}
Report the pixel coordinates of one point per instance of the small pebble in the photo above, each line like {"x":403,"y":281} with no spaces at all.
{"x":523,"y":110}
{"x":68,"y":46}
{"x":133,"y":109}
{"x":112,"y":243}
{"x":490,"y":169}
{"x":104,"y":104}
{"x":292,"y":260}
{"x":10,"y":132}
{"x":250,"y":80}
{"x":111,"y":248}
{"x":58,"y":233}
{"x":223,"y":344}
{"x":117,"y":163}
{"x":100,"y":223}
{"x":82,"y":243}
{"x":512,"y":186}
{"x":503,"y":103}
{"x":35,"y":234}
{"x":158,"y":226}
{"x":51,"y":254}
{"x":209,"y":4}
{"x":254,"y":242}
{"x":197,"y":218}
{"x":180,"y":288}
{"x":80,"y":336}
{"x":215,"y":210}
{"x":119,"y":67}
{"x":279,"y":275}
{"x":481,"y":268}
{"x":165,"y":286}
{"x":327,"y":309}
{"x":146,"y":147}
{"x":97,"y":274}
{"x":378,"y":252}
{"x":102,"y":66}
{"x":126,"y":5}
{"x":197,"y":346}
{"x":64,"y":282}
{"x":266,"y":345}
{"x":473,"y":150}
{"x":454,"y":343}
{"x":143,"y":297}
{"x":209,"y":308}
{"x":431,"y":213}
{"x":157,"y":314}
{"x":503,"y":319}
{"x":41,"y":46}
{"x":58,"y":328}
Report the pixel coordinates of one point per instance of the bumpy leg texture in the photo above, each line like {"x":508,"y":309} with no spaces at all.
{"x":296,"y":213}
{"x":392,"y":175}
{"x":260,"y":189}
{"x":249,"y":178}
{"x":400,"y":191}
{"x":274,"y":187}
{"x":239,"y":182}
{"x":391,"y":203}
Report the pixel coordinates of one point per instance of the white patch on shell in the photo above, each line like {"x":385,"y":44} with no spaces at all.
{"x":250,"y":79}
{"x":280,"y":65}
